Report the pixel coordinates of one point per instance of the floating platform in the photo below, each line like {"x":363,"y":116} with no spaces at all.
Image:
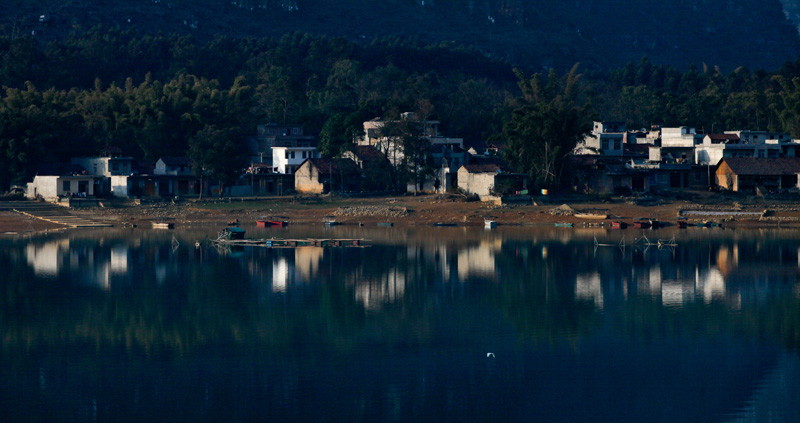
{"x":293,"y":243}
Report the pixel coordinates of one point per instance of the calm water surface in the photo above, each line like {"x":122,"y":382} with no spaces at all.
{"x":428,"y":324}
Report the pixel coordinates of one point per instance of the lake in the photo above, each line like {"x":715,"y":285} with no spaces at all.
{"x":446,"y":324}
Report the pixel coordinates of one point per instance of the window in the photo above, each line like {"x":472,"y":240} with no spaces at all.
{"x":291,"y":155}
{"x":617,"y":144}
{"x":698,"y":176}
{"x":286,"y":154}
{"x":65,"y":186}
{"x":604,"y":145}
{"x":761,"y":154}
{"x":663,"y":178}
{"x":294,"y":131}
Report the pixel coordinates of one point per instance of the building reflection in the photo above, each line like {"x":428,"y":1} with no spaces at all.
{"x":730,"y":273}
{"x":79,"y":262}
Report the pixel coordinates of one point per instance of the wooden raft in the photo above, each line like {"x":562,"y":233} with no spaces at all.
{"x":292,"y":243}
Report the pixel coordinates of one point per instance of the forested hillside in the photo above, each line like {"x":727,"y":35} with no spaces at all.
{"x":155,"y":95}
{"x":601,"y":34}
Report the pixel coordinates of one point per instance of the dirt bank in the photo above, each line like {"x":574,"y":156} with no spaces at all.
{"x":429,"y":209}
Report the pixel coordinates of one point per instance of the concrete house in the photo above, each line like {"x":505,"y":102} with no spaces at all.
{"x":607,"y":139}
{"x":64,"y":181}
{"x":320,"y":176}
{"x":748,"y":174}
{"x":717,"y":146}
{"x":676,"y":145}
{"x":170,"y":177}
{"x":173,"y":166}
{"x":287,"y":159}
{"x":391,"y":148}
{"x":272,"y":135}
{"x":489,"y":181}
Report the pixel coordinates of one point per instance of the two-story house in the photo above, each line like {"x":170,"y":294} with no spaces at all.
{"x":606,"y":139}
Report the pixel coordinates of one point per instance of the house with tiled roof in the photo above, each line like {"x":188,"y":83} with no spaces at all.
{"x":320,"y":176}
{"x":749,"y":174}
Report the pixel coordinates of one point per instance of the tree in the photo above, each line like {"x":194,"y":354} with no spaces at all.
{"x":339,"y":132}
{"x":546,"y":127}
{"x":407,"y":147}
{"x":217,"y":153}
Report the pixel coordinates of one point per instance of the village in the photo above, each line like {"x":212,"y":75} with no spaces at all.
{"x":284,"y":160}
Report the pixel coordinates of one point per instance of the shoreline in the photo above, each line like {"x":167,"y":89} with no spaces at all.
{"x":427,"y":210}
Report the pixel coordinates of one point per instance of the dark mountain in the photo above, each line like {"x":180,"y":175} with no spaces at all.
{"x":535,"y":33}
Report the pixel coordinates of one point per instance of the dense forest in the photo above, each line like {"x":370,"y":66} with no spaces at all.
{"x":155,"y":95}
{"x":537,"y":34}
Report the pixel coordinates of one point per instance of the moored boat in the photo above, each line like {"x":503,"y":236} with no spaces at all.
{"x":268,"y":223}
{"x":619,"y":225}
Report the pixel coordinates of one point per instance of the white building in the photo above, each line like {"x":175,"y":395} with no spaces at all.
{"x":173,"y":166}
{"x":715,"y":147}
{"x":105,"y":166}
{"x":51,"y":187}
{"x":393,"y":150}
{"x":680,"y":137}
{"x":607,"y":138}
{"x":288,"y":159}
{"x":761,"y":137}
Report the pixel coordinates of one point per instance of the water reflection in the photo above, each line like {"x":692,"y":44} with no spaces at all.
{"x":123,"y":325}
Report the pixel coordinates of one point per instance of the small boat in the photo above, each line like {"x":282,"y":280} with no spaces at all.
{"x":489,"y":223}
{"x":641,"y":224}
{"x":331,"y":222}
{"x":619,"y":225}
{"x":683,"y":224}
{"x":234,"y":222}
{"x":445,"y":224}
{"x":268,"y":223}
{"x":654,"y":223}
{"x":163,"y":225}
{"x":593,"y":216}
{"x":386,"y":224}
{"x":232,"y":232}
{"x":564,"y":225}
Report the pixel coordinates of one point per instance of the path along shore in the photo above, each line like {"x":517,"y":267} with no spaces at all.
{"x":426,"y":210}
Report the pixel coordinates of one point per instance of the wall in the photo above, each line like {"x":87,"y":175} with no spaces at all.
{"x":476,"y":183}
{"x":306,"y":180}
{"x":119,"y":186}
{"x":44,"y":186}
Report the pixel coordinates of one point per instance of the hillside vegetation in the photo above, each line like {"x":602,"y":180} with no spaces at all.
{"x":601,"y":34}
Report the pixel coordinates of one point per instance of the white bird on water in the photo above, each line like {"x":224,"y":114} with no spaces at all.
{"x":490,"y":354}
